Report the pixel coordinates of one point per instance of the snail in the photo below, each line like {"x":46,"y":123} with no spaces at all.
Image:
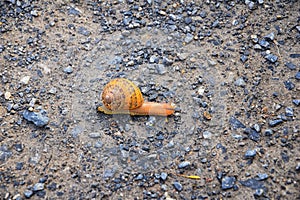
{"x":121,"y":96}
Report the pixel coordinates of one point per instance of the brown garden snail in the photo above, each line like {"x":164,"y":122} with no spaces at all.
{"x":121,"y":96}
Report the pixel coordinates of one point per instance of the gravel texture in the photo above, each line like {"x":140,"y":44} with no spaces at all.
{"x":231,"y":67}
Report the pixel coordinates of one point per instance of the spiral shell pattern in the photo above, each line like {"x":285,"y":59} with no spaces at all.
{"x":121,"y":94}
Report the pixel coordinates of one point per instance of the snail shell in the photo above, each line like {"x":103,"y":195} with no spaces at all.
{"x":121,"y":94}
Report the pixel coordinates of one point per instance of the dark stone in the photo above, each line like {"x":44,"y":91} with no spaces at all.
{"x":68,"y":70}
{"x":270,"y":36}
{"x":261,"y":177}
{"x":38,"y":187}
{"x":139,"y":177}
{"x":296,"y":102}
{"x":177,"y":186}
{"x":184,"y":164}
{"x":295,"y":55}
{"x":252,"y":183}
{"x":18,"y":147}
{"x":275,"y":122}
{"x":188,"y":20}
{"x":235,"y":123}
{"x":297,"y":76}
{"x":203,"y":14}
{"x":41,"y":193}
{"x":19,"y":166}
{"x":250,"y":154}
{"x":40,"y":118}
{"x":289,"y":112}
{"x":43,"y":179}
{"x":272,"y":58}
{"x":268,"y":132}
{"x":28,"y":193}
{"x":259,"y":192}
{"x":244,"y":58}
{"x":290,"y":65}
{"x":285,"y":157}
{"x":252,"y":134}
{"x":52,"y":186}
{"x":289,"y":85}
{"x":228,"y":182}
{"x":109,"y":173}
{"x":163,"y":176}
{"x":264,"y":43}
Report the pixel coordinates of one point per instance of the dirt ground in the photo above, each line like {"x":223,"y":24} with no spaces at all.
{"x":230,"y":67}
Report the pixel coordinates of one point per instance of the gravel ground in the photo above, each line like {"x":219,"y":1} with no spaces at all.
{"x":231,"y":67}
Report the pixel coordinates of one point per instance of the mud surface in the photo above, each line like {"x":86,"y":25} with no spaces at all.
{"x":231,"y":67}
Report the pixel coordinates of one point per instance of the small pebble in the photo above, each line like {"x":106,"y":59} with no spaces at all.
{"x":19,"y":165}
{"x":264,"y":43}
{"x":244,"y":58}
{"x":95,"y":135}
{"x":73,"y":11}
{"x":7,"y":95}
{"x":261,"y":177}
{"x":289,"y":112}
{"x":52,"y":90}
{"x":256,"y":127}
{"x":189,"y":38}
{"x":38,"y":187}
{"x":153,"y":59}
{"x":290,"y":65}
{"x":260,"y":1}
{"x":259,"y":192}
{"x":272,"y":58}
{"x":252,"y":183}
{"x":25,"y":80}
{"x":257,"y":47}
{"x":275,"y":122}
{"x":235,"y":123}
{"x":295,"y":55}
{"x":252,"y":134}
{"x":297,"y":76}
{"x":289,"y":85}
{"x":240,"y":82}
{"x":177,"y":186}
{"x":298,"y":167}
{"x":68,"y":70}
{"x":211,"y":63}
{"x":163,"y":176}
{"x":296,"y":102}
{"x":98,"y":144}
{"x":228,"y":182}
{"x":34,"y":13}
{"x":207,"y":135}
{"x":268,"y":132}
{"x":161,"y":69}
{"x":83,"y":31}
{"x":250,"y":154}
{"x":270,"y":36}
{"x":19,"y":147}
{"x":40,"y":118}
{"x":184,"y":164}
{"x":139,"y":177}
{"x":28,"y":193}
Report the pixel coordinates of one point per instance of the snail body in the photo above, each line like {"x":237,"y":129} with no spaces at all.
{"x":121,"y":96}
